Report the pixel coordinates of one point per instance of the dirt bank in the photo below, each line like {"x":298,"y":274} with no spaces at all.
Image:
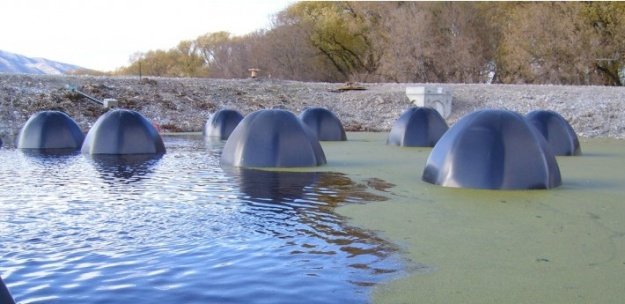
{"x":178,"y":104}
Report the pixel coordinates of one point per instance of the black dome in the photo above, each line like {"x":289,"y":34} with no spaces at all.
{"x":557,"y":131}
{"x":123,"y":132}
{"x":222,"y":123}
{"x":492,"y":149}
{"x":417,"y":127}
{"x":324,"y":124}
{"x":272,"y":138}
{"x":50,"y":130}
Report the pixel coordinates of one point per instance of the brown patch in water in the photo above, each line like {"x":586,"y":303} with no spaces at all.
{"x":345,"y":190}
{"x":379,"y":184}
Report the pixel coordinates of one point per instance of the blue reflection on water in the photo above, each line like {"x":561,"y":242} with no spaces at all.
{"x":180,"y":229}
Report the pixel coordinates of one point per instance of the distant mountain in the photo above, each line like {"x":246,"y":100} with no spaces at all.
{"x":14,"y":63}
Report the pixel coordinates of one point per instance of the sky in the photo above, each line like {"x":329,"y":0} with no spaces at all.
{"x":103,"y":34}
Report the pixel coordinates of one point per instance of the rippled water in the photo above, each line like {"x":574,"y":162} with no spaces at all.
{"x":180,"y":229}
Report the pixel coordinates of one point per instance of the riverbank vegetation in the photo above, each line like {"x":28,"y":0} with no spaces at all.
{"x":461,"y":42}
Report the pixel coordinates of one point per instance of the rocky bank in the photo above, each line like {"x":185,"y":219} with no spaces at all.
{"x":184,"y":104}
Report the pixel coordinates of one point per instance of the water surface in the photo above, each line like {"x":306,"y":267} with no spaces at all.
{"x":563,"y":245}
{"x":180,"y":229}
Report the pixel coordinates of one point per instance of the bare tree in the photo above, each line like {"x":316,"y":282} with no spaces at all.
{"x":520,"y":42}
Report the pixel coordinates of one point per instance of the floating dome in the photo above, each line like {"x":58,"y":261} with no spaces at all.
{"x":557,"y":131}
{"x":50,"y":130}
{"x":417,"y":127}
{"x":123,"y":132}
{"x":222,"y":123}
{"x":272,"y":138}
{"x":325,"y":125}
{"x":5,"y":296}
{"x":492,"y":149}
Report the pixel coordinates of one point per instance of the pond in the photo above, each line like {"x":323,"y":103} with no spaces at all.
{"x":563,"y":245}
{"x":180,"y":229}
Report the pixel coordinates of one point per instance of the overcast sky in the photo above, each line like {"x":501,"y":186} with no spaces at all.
{"x":102,"y":34}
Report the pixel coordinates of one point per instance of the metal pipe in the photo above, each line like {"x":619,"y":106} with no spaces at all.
{"x":74,"y":90}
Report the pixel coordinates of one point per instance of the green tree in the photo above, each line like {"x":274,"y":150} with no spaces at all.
{"x":340,"y":31}
{"x":227,"y":56}
{"x":562,"y":43}
{"x":543,"y":43}
{"x":188,"y":61}
{"x":182,"y":61}
{"x":521,"y":42}
{"x":606,"y":26}
{"x":214,"y":48}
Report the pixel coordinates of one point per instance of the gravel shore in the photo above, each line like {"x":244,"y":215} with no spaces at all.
{"x":184,"y":104}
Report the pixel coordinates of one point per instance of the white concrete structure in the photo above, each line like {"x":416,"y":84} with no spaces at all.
{"x":438,"y":98}
{"x":109,"y":103}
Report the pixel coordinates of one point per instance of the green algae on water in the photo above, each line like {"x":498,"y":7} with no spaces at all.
{"x":563,"y":245}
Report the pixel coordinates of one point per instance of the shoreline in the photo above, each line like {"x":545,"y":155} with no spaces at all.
{"x":184,"y":104}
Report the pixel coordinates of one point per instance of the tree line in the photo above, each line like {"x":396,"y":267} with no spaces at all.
{"x":457,"y":42}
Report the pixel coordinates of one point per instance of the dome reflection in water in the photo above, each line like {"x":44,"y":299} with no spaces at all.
{"x":50,"y":156}
{"x":124,"y":168}
{"x":180,"y":229}
{"x":302,"y":204}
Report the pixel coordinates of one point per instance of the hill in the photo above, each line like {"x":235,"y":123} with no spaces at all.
{"x":15,"y":63}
